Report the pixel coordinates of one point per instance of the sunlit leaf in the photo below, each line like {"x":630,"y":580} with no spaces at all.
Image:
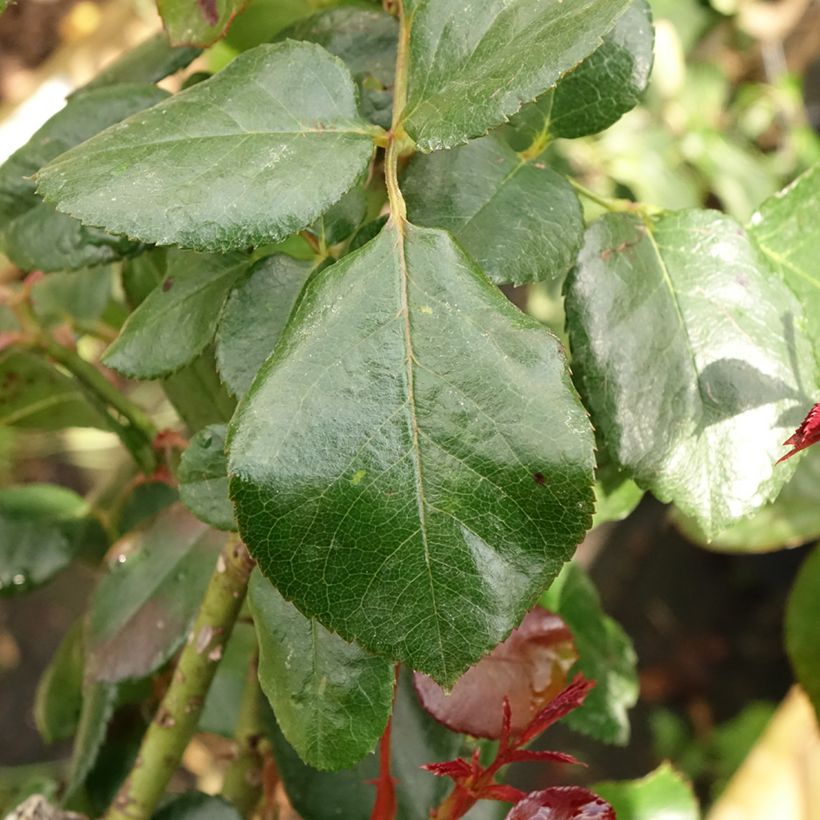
{"x":663,"y":793}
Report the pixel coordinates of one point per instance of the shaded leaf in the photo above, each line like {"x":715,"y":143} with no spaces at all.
{"x":528,"y":669}
{"x":35,"y":395}
{"x":255,"y":315}
{"x":58,"y":701}
{"x":197,"y":806}
{"x":144,"y":502}
{"x":562,"y":803}
{"x":616,"y":495}
{"x":248,"y":157}
{"x":472,"y":65}
{"x":142,"y":274}
{"x":428,"y":486}
{"x":663,"y":793}
{"x":331,"y":698}
{"x":142,"y":610}
{"x":178,"y":319}
{"x":32,"y":233}
{"x":78,"y":295}
{"x":682,"y":340}
{"x":605,"y":655}
{"x":519,"y":220}
{"x":41,"y":530}
{"x":150,"y":61}
{"x":197,"y":22}
{"x":203,"y":478}
{"x":341,"y":219}
{"x":607,"y":84}
{"x":787,"y":231}
{"x":803,"y":627}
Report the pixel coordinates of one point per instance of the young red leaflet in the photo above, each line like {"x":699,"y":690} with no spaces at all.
{"x":807,"y":433}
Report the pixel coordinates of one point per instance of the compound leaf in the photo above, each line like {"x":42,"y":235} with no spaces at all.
{"x":245,"y":158}
{"x":390,"y":466}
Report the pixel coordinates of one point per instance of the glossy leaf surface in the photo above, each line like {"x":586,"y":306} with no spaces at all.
{"x":197,"y":22}
{"x":562,"y":803}
{"x":389,"y":466}
{"x":142,"y":609}
{"x":41,"y":527}
{"x":605,"y":655}
{"x":33,"y":233}
{"x":471,"y":66}
{"x":203,"y":478}
{"x":331,"y":698}
{"x":178,"y":319}
{"x":685,"y":346}
{"x":519,"y":220}
{"x":787,"y":230}
{"x":803,"y":627}
{"x":663,"y":793}
{"x":245,"y":158}
{"x":599,"y":91}
{"x":255,"y":315}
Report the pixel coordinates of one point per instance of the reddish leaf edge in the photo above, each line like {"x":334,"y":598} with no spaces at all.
{"x":807,"y":433}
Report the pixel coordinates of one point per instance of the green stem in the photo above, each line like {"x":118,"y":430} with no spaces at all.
{"x":243,"y":779}
{"x":617,"y":206}
{"x":178,"y":715}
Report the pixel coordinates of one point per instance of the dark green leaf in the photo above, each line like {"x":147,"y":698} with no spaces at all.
{"x":254,"y":316}
{"x":683,"y":342}
{"x":203,"y":478}
{"x":79,"y":296}
{"x":519,"y":220}
{"x":331,"y":698}
{"x":389,"y":466}
{"x":787,"y":230}
{"x":663,"y":793}
{"x":417,"y":739}
{"x":248,"y":157}
{"x":33,"y":233}
{"x":599,"y":91}
{"x":59,"y":698}
{"x":197,"y":22}
{"x":803,"y":627}
{"x":148,"y":62}
{"x":144,"y":502}
{"x":472,"y":64}
{"x":142,"y":274}
{"x":178,"y":319}
{"x":41,"y":529}
{"x":793,"y":518}
{"x":605,"y":655}
{"x":197,"y":806}
{"x":35,"y":395}
{"x":142,"y":610}
{"x":341,"y":219}
{"x":370,"y":230}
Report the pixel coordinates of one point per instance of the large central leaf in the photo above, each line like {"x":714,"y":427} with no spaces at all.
{"x":412,"y":466}
{"x":253,"y":154}
{"x":472,"y":63}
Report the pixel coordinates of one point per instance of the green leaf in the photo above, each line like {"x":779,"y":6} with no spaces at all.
{"x":341,"y":219}
{"x":519,"y":220}
{"x":792,"y":519}
{"x":248,"y":157}
{"x":394,"y":439}
{"x":142,"y":610}
{"x":787,"y":230}
{"x":616,"y":495}
{"x":177,"y":320}
{"x":197,"y":22}
{"x":332,"y":699}
{"x":473,"y":64}
{"x":142,"y":274}
{"x":197,"y":806}
{"x":72,"y":296}
{"x":663,"y":793}
{"x":150,"y":61}
{"x":203,"y":478}
{"x":599,"y":91}
{"x":605,"y":655}
{"x":803,"y":627}
{"x":41,"y":530}
{"x":255,"y":315}
{"x":32,"y":233}
{"x":58,"y":701}
{"x":35,"y":395}
{"x":145,"y":500}
{"x":681,"y":337}
{"x":417,"y":739}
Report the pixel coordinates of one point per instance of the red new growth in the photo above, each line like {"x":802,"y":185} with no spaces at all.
{"x":807,"y":433}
